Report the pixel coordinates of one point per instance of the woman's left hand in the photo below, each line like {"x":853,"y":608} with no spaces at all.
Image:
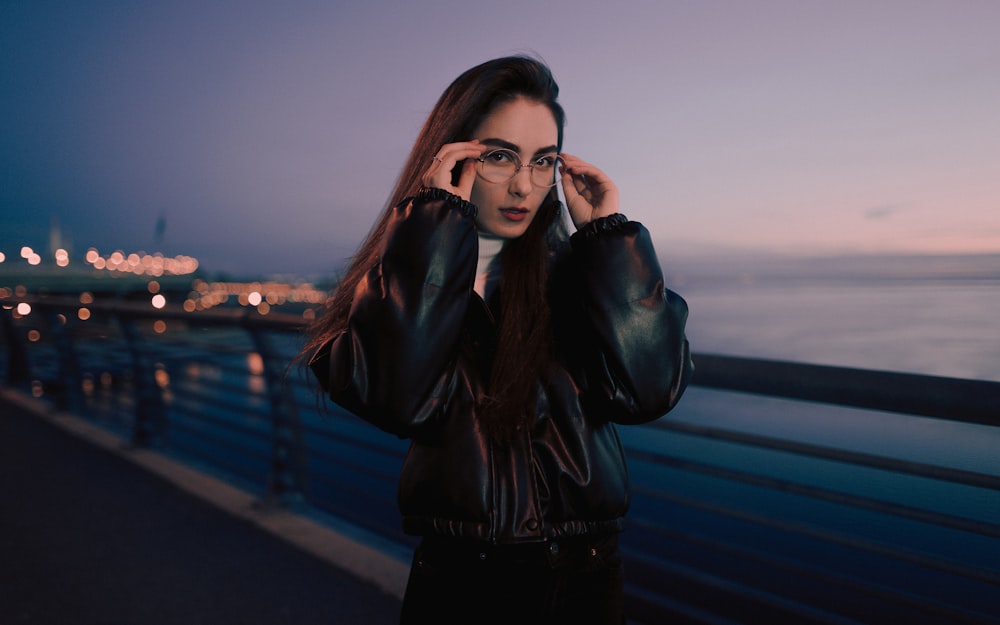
{"x":590,"y":194}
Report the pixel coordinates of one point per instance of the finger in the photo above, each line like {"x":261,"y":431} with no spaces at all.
{"x":582,"y":175}
{"x":579,"y":207}
{"x":595,"y":193}
{"x":598,"y":184}
{"x":439,"y":174}
{"x":575,"y":185}
{"x":569,"y":189}
{"x":578,"y":166}
{"x":466,"y":179}
{"x":454,"y":152}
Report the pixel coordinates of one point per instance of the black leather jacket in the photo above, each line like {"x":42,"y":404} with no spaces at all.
{"x":408,"y":363}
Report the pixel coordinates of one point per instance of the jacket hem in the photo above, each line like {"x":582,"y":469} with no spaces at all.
{"x":416,"y":526}
{"x":432,"y":194}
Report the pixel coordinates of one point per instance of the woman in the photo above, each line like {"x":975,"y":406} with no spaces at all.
{"x":471,"y":323}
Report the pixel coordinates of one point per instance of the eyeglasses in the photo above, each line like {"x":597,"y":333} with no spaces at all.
{"x":501,"y":165}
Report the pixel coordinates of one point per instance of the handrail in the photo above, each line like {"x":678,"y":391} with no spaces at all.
{"x":934,"y":472}
{"x":970,"y":401}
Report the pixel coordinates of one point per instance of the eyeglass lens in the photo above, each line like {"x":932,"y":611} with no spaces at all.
{"x":502,"y":165}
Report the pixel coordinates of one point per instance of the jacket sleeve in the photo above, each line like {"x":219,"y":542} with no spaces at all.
{"x":392,"y":366}
{"x":634,"y":357}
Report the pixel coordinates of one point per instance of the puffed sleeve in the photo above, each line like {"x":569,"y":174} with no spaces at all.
{"x":624,"y":329}
{"x":394,"y":363}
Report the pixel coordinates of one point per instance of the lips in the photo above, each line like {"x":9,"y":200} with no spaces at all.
{"x":514,"y":213}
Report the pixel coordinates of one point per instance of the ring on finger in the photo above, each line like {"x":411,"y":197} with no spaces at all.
{"x":438,"y":159}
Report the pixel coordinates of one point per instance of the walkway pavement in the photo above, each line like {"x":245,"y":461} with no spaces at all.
{"x":90,"y":536}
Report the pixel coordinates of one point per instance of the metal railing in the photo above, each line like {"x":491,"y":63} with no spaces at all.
{"x":778,"y":493}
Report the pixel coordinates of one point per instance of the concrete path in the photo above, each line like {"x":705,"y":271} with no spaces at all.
{"x":91,"y":536}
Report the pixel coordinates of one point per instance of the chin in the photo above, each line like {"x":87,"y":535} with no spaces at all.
{"x":511,"y":232}
{"x":504,"y":230}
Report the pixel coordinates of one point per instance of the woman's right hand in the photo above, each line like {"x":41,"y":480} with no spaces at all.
{"x":438,"y":175}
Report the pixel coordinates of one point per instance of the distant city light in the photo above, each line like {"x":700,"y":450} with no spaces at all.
{"x":265,"y":297}
{"x":255,"y":363}
{"x":24,"y":309}
{"x":141,"y":263}
{"x":138,"y":263}
{"x":262,"y":295}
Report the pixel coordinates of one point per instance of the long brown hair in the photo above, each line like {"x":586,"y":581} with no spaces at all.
{"x":525,"y":332}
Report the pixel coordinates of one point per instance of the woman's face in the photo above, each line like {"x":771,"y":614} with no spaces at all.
{"x":527,"y":128}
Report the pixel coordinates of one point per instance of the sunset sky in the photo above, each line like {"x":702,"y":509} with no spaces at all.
{"x":266,"y":136}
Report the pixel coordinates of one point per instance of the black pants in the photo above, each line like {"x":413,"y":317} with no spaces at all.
{"x":461,"y":582}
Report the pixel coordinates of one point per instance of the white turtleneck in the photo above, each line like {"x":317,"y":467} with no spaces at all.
{"x":488,"y":265}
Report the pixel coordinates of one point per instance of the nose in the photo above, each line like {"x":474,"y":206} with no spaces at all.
{"x":520,"y":184}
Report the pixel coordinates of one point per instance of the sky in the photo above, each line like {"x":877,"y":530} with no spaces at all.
{"x":264,"y":137}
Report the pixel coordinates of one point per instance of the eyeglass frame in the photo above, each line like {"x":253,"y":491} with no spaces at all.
{"x":519,"y":166}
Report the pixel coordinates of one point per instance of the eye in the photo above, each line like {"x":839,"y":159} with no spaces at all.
{"x":501,"y":157}
{"x":545,"y":162}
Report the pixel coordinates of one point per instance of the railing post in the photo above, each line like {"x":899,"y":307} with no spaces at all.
{"x":18,"y":365}
{"x":71,"y":396}
{"x":150,"y":426}
{"x":286,"y":484}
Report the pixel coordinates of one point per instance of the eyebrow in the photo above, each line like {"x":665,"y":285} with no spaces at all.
{"x":500,"y":143}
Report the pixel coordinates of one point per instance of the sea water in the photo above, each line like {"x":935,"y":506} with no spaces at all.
{"x":930,"y":315}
